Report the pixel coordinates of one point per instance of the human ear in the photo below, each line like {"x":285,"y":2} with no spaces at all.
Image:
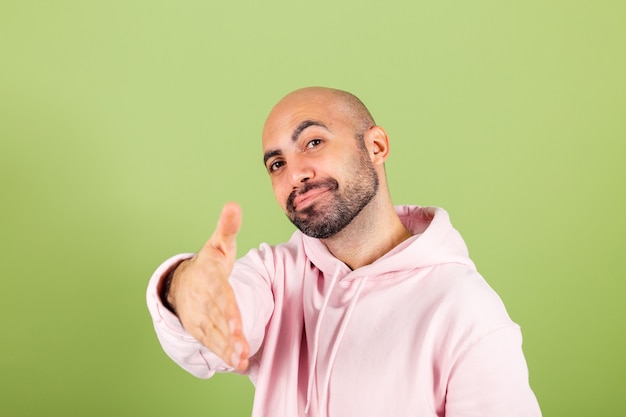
{"x":377,"y":144}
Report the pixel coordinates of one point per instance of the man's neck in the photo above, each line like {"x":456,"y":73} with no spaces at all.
{"x":373,"y":233}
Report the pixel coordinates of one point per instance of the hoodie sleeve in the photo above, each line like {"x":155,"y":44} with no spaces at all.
{"x":253,"y":294}
{"x":491,"y":379}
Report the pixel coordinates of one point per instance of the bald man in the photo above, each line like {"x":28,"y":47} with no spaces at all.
{"x":370,"y":309}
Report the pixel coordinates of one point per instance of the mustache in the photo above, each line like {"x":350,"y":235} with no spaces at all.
{"x":329,"y":183}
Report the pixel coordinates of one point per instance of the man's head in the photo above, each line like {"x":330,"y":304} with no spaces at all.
{"x":325,"y":157}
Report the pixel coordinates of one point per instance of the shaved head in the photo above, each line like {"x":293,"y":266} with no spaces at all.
{"x":355,"y":108}
{"x":337,"y":101}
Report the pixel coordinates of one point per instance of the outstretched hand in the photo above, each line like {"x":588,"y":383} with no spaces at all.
{"x":203,"y":298}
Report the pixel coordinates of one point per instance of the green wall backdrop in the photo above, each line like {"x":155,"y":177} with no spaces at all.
{"x":125,"y":125}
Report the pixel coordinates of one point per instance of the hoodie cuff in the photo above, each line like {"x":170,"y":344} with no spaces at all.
{"x":161,"y":314}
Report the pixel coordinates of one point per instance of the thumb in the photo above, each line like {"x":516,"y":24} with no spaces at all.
{"x":229,"y":222}
{"x":224,"y":237}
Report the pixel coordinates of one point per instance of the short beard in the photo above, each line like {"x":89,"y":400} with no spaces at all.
{"x":326,"y":221}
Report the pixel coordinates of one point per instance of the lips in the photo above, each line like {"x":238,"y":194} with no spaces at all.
{"x":308,"y":193}
{"x":304,"y":199}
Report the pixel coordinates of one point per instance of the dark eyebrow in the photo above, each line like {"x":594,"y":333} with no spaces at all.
{"x":269,"y":154}
{"x":305,"y":124}
{"x":294,"y":137}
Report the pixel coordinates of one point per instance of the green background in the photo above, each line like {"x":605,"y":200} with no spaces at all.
{"x":125,"y":125}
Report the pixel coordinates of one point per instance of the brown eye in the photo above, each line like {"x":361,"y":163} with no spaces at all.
{"x":313,"y":143}
{"x":276,"y":165}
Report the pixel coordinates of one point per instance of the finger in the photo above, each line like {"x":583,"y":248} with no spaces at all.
{"x":239,"y":359}
{"x":239,"y":348}
{"x":218,"y":333}
{"x":238,"y":356}
{"x":232,"y":348}
{"x":223,"y":311}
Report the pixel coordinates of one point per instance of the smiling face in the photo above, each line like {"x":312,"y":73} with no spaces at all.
{"x":318,"y":162}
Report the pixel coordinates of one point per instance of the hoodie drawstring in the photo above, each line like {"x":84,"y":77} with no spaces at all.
{"x":342,"y":330}
{"x":335,"y":348}
{"x":313,"y":363}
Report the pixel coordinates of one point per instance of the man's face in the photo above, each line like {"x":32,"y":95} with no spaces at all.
{"x":321,"y":173}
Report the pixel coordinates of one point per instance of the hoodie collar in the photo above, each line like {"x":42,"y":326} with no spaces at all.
{"x":434,"y":241}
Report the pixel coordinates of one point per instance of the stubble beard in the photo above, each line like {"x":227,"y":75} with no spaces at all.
{"x":325,"y":220}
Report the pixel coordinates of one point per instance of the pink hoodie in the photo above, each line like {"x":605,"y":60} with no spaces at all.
{"x":417,"y":333}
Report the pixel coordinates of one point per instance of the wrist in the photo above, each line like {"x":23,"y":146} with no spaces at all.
{"x":166,"y":285}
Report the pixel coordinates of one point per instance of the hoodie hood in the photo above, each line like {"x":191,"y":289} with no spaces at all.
{"x":434,"y":241}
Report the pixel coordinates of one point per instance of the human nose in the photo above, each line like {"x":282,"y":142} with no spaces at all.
{"x":300,"y":172}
